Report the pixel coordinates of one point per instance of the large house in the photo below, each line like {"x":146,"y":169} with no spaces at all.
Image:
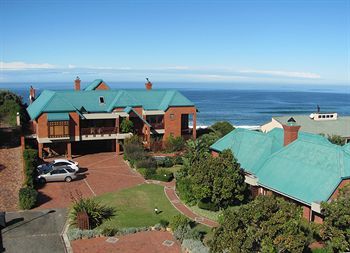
{"x":317,"y":123}
{"x":302,"y":167}
{"x":67,"y":121}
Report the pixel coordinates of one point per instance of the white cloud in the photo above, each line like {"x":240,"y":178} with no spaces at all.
{"x":280,"y":73}
{"x":23,"y":65}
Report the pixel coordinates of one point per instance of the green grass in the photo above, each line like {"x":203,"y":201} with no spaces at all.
{"x":173,"y":169}
{"x":135,"y":206}
{"x":206,"y":213}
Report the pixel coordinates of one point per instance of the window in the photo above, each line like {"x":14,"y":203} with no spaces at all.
{"x":59,"y":171}
{"x":172,"y":116}
{"x":102,"y":100}
{"x":58,"y":129}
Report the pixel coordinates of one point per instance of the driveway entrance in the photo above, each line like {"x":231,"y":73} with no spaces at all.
{"x":99,"y":173}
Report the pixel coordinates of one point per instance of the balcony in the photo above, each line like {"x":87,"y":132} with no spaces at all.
{"x":157,"y":125}
{"x":99,"y":131}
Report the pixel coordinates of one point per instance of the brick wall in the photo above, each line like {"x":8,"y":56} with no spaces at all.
{"x":102,"y":86}
{"x":74,"y":124}
{"x":172,"y":120}
{"x":42,"y":127}
{"x":341,"y":185}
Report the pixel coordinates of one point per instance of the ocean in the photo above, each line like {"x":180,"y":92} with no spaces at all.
{"x":242,"y":107}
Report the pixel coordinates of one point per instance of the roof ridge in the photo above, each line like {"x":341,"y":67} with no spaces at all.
{"x":53,"y":94}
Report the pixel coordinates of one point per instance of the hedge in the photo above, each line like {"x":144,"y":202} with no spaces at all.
{"x":30,"y":157}
{"x":27,"y":197}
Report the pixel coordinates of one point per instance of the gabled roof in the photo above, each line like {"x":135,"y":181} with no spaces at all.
{"x":346,"y":147}
{"x":72,"y":100}
{"x":243,"y":143}
{"x":340,"y":126}
{"x":93,"y":85}
{"x":308,"y":170}
{"x":305,"y":170}
{"x":250,"y":148}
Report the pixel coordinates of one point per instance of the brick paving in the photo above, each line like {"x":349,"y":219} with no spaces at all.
{"x":170,"y":192}
{"x":11,"y":177}
{"x":147,"y":242}
{"x":99,"y":173}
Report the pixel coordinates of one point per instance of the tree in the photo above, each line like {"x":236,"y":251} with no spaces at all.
{"x":267,"y":224}
{"x":126,"y":126}
{"x":10,"y":104}
{"x":222,"y":128}
{"x":336,"y":226}
{"x":218,"y":180}
{"x":194,"y":152}
{"x":336,"y":139}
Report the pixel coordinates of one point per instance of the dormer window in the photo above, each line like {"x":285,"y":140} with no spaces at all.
{"x":102,"y":100}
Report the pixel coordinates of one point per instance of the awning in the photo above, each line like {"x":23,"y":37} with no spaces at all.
{"x":58,"y":116}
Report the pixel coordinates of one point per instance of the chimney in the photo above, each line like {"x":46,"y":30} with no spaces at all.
{"x":148,"y":84}
{"x":31,"y":94}
{"x":291,"y":130}
{"x":77,"y":83}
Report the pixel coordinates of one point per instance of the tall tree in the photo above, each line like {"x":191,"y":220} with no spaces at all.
{"x":218,"y":179}
{"x":267,"y":224}
{"x":336,"y":226}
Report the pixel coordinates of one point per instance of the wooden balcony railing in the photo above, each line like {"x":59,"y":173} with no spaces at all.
{"x":98,"y":130}
{"x":157,"y":125}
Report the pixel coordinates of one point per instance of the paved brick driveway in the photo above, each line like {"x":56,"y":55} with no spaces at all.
{"x":147,"y":242}
{"x":100,"y":173}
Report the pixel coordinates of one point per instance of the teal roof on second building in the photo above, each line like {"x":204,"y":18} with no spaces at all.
{"x":308,"y":170}
{"x":71,"y":100}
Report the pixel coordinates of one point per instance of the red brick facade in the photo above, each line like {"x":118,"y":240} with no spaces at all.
{"x":102,"y":86}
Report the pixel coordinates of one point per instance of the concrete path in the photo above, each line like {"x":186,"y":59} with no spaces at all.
{"x":34,"y":231}
{"x":169,"y":190}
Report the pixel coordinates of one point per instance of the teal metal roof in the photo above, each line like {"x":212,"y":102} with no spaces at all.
{"x":63,"y":116}
{"x":346,"y":147}
{"x":93,"y":85}
{"x":251,"y":148}
{"x":71,"y":100}
{"x":308,"y":170}
{"x":305,"y":170}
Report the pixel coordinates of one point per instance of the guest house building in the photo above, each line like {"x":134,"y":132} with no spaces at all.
{"x":304,"y":168}
{"x":70,"y":121}
{"x":326,"y":123}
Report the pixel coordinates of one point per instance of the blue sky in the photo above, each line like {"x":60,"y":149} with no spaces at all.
{"x":304,"y":42}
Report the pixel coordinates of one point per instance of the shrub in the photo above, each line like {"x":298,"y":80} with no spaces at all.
{"x":148,"y":163}
{"x":179,"y":221}
{"x":96,"y":212}
{"x":178,"y":160}
{"x":184,"y":188}
{"x":134,"y":152}
{"x":164,"y":223}
{"x":194,"y":246}
{"x":207,"y":205}
{"x":27,"y":197}
{"x":168,"y":162}
{"x":134,"y":139}
{"x":174,"y":144}
{"x":163,"y":175}
{"x":147,"y":173}
{"x":184,"y":231}
{"x":126,"y":126}
{"x":30,"y":157}
{"x":109,"y":231}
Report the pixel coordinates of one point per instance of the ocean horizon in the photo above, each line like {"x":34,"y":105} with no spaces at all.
{"x":247,"y":106}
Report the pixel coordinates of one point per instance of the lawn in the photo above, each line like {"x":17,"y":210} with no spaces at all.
{"x":135,"y":206}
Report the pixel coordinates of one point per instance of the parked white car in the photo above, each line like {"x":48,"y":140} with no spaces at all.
{"x":62,"y":173}
{"x":58,"y":163}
